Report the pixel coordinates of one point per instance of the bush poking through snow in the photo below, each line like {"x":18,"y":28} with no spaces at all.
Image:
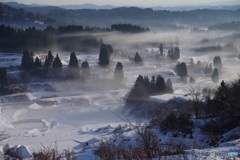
{"x":145,"y":145}
{"x":181,"y":123}
{"x":52,"y":154}
{"x":16,"y":152}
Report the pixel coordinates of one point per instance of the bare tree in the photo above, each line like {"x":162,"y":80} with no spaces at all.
{"x":197,"y":98}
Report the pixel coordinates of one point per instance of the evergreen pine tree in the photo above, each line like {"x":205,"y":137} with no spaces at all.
{"x":27,"y":61}
{"x":222,"y":92}
{"x":210,"y":68}
{"x":37,"y":63}
{"x":85,"y":65}
{"x":146,"y":81}
{"x":3,"y":78}
{"x":85,"y":69}
{"x":169,"y":87}
{"x":191,"y":80}
{"x":169,"y":53}
{"x":118,"y":74}
{"x":73,"y":63}
{"x":73,"y":67}
{"x":57,"y":62}
{"x":104,"y":55}
{"x":57,"y":65}
{"x":139,"y":80}
{"x":138,"y":58}
{"x":49,"y":59}
{"x":191,"y":63}
{"x":215,"y":75}
{"x":206,"y":69}
{"x":46,"y":62}
{"x":198,"y":66}
{"x":174,"y":53}
{"x":160,"y":86}
{"x":152,"y":83}
{"x":181,"y":69}
{"x":37,"y":67}
{"x":217,"y":62}
{"x":138,"y":92}
{"x":143,"y":88}
{"x":161,"y":49}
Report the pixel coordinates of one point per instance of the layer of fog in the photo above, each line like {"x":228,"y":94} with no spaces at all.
{"x":77,"y":107}
{"x":186,"y":38}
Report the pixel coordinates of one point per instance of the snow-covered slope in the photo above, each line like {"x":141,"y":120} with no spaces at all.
{"x":77,"y":112}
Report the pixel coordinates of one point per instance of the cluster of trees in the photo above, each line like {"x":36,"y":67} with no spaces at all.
{"x":52,"y":66}
{"x":35,"y":67}
{"x":154,"y":18}
{"x":195,"y":67}
{"x":217,"y":63}
{"x":17,"y":39}
{"x":106,"y":51}
{"x":129,"y":28}
{"x":208,"y":49}
{"x":181,"y":70}
{"x":224,"y":109}
{"x":174,"y":53}
{"x":5,"y":86}
{"x":208,"y":68}
{"x":32,"y":38}
{"x":177,"y":122}
{"x":232,"y":26}
{"x":28,"y":62}
{"x":143,"y":88}
{"x":12,"y":15}
{"x":28,"y":38}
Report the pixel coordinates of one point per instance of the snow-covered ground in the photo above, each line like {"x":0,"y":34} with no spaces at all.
{"x":77,"y":113}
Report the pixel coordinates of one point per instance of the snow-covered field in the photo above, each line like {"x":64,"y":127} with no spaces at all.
{"x":77,"y":113}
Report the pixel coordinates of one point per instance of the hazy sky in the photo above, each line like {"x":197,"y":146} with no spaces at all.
{"x":128,"y":2}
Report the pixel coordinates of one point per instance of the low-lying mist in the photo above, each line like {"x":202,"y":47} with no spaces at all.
{"x":184,"y":38}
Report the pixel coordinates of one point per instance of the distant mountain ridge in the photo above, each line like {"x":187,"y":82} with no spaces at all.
{"x":94,"y":6}
{"x":21,"y":5}
{"x":189,"y":8}
{"x":87,"y":6}
{"x":160,"y":18}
